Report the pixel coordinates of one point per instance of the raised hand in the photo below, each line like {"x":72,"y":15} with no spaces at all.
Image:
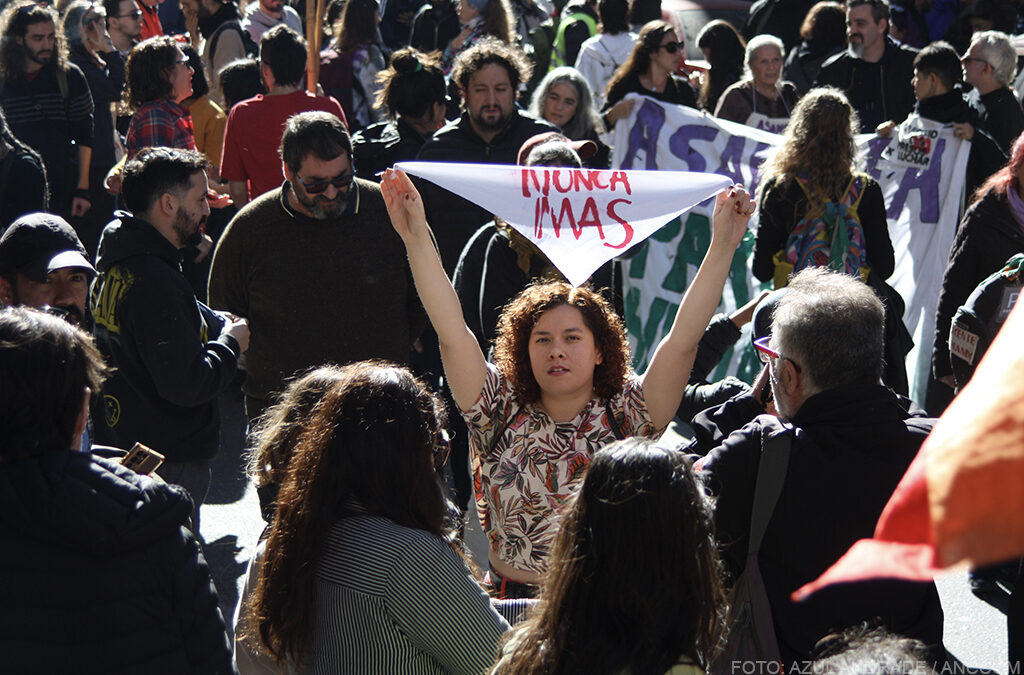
{"x":404,"y":204}
{"x":733,"y":209}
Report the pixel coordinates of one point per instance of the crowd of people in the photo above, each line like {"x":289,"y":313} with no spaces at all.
{"x":182,"y":212}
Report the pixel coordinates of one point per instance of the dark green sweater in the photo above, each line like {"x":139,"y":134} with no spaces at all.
{"x":315,"y":291}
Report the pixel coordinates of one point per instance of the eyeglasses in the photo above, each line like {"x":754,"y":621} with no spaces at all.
{"x":341,"y":182}
{"x":442,"y":448}
{"x":767,"y":354}
{"x":968,"y":59}
{"x":137,"y":14}
{"x":671,"y":47}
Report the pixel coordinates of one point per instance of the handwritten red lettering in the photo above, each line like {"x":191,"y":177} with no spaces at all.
{"x":556,"y":175}
{"x":625,"y":224}
{"x":619,"y":177}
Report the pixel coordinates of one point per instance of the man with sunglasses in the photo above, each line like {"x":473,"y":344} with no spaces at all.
{"x":850,"y":441}
{"x":124,"y":24}
{"x":315,"y":266}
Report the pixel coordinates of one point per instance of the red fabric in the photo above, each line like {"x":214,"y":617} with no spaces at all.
{"x":151,"y":26}
{"x":253,"y":134}
{"x":961,"y":501}
{"x":161,"y":123}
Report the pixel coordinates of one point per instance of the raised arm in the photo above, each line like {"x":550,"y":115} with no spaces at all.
{"x":464,"y":364}
{"x":669,"y":370}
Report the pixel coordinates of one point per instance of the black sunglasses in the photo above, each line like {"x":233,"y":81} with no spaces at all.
{"x":671,"y":47}
{"x":341,"y":182}
{"x":442,"y":448}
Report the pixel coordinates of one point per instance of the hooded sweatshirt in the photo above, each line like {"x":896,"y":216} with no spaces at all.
{"x":171,"y":364}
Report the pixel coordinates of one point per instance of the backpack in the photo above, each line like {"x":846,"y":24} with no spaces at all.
{"x":252,"y":50}
{"x":831,"y":236}
{"x":748,"y":637}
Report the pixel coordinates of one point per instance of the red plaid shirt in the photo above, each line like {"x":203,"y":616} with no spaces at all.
{"x":160,"y":123}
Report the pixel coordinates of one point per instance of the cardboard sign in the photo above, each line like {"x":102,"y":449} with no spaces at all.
{"x":579,"y":218}
{"x":963,"y":344}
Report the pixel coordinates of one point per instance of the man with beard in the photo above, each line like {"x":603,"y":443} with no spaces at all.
{"x":490,"y":131}
{"x":263,"y":15}
{"x":875,"y":71}
{"x":43,"y":264}
{"x":172,"y":354}
{"x":47,"y":103}
{"x":315,"y":266}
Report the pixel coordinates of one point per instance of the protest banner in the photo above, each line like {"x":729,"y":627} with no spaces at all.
{"x":923,"y":208}
{"x":579,"y":218}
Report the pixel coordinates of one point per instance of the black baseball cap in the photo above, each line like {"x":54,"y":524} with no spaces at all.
{"x":39,"y":243}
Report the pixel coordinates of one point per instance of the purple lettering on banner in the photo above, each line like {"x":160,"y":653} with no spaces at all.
{"x":756,"y":158}
{"x":679,"y":145}
{"x":875,"y":147}
{"x":644,"y":135}
{"x":927,"y":182}
{"x":732,"y":159}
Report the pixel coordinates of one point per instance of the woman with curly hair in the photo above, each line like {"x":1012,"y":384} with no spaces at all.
{"x":563,"y":98}
{"x":361,"y":572}
{"x":633,"y":584}
{"x":813,"y":166}
{"x":651,"y":71}
{"x":158,"y":78}
{"x":561,"y":387}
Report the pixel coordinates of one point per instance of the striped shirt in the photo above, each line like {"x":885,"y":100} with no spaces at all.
{"x":394,"y":600}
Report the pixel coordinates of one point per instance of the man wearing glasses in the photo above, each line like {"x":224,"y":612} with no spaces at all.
{"x":315,"y":266}
{"x":124,"y":24}
{"x":850,"y":441}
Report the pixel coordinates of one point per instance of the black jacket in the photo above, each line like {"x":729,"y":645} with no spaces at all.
{"x":987,"y":237}
{"x":100,"y":574}
{"x":454,"y":219}
{"x":378,"y":146}
{"x":853,"y":446}
{"x":1002,"y":117}
{"x":879,"y":92}
{"x":171,"y":364}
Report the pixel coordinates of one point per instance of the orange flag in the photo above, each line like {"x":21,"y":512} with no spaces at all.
{"x":961,"y":501}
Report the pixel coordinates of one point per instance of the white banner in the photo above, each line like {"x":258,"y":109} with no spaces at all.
{"x":922,"y":206}
{"x":579,"y":218}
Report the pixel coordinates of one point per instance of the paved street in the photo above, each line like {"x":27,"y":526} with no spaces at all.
{"x":975,"y":631}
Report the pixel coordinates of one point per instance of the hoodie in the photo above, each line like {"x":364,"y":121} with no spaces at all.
{"x":171,"y":360}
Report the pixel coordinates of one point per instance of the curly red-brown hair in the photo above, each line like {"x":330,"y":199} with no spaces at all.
{"x":512,"y":346}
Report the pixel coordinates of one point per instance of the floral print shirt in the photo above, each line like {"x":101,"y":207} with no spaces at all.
{"x":522,"y":482}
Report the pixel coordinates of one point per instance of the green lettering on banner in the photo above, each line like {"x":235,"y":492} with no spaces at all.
{"x":638,"y":263}
{"x":690,"y":251}
{"x":648,"y":335}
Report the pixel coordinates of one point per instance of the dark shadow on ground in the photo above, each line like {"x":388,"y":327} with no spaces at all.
{"x":225,"y":569}
{"x":228,"y":481}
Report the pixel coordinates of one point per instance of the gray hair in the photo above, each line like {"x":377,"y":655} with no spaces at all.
{"x":831,"y":324}
{"x":78,"y":14}
{"x":998,"y":50}
{"x":756,"y":43}
{"x":586,"y":119}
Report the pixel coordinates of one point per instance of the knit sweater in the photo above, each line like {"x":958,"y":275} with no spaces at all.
{"x":315,"y":291}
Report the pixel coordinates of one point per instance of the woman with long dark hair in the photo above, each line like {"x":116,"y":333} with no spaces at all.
{"x":634,"y":581}
{"x":561,"y":386}
{"x":651,"y":71}
{"x":358,"y":54}
{"x":361,"y":572}
{"x":823,"y":34}
{"x":725,"y":50}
